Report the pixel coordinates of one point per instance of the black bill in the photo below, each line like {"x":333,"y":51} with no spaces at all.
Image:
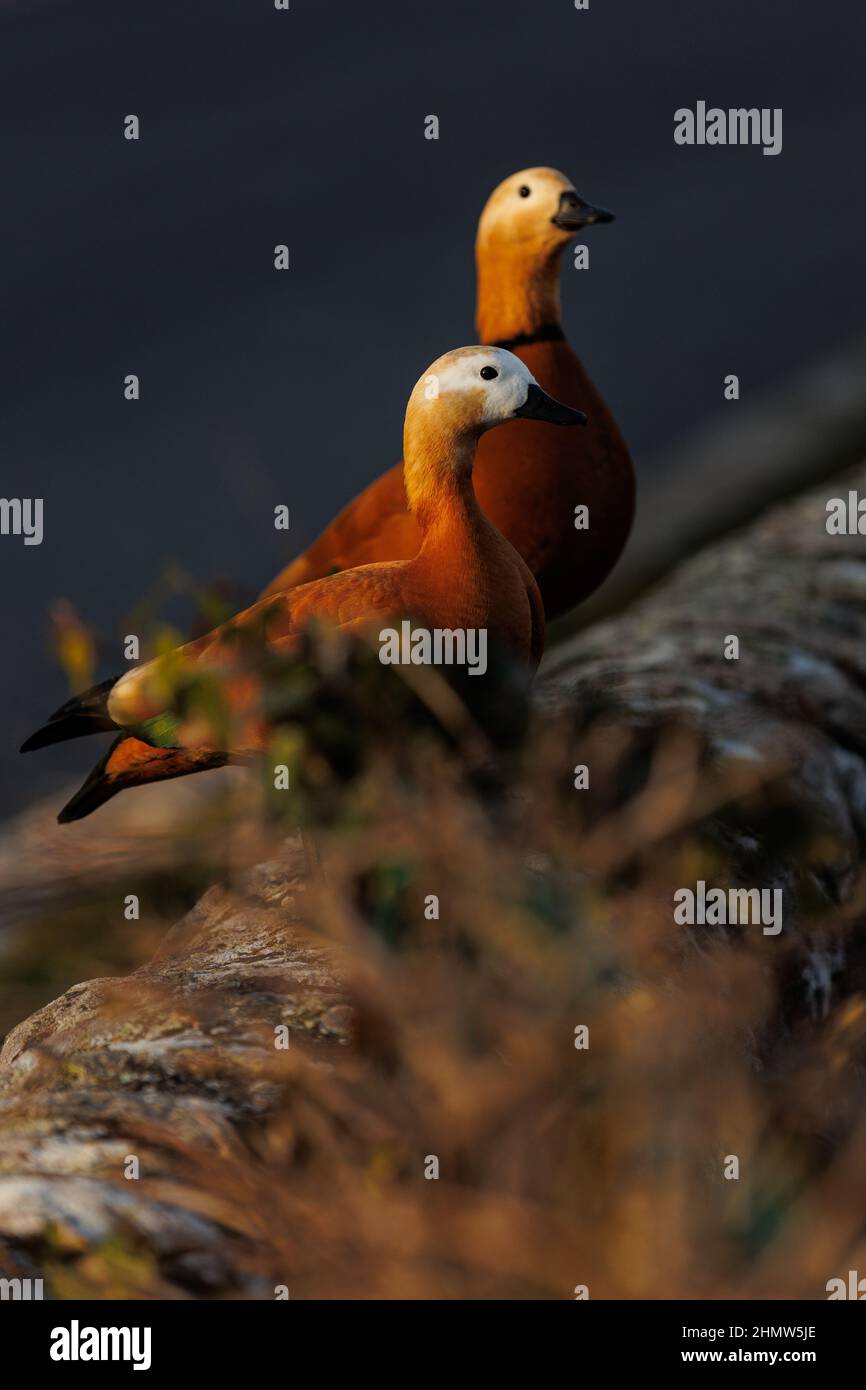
{"x":539,"y":406}
{"x":574,"y":213}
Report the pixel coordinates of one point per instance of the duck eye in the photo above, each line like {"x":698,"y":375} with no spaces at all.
{"x":525,"y":190}
{"x":489,"y":373}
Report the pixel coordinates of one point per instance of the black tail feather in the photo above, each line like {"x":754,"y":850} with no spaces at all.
{"x":73,"y":726}
{"x":93,"y":792}
{"x":83,"y":714}
{"x":92,"y":701}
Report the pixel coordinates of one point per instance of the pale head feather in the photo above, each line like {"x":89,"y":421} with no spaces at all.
{"x":525,"y":222}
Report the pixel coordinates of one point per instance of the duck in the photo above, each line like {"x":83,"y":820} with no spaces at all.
{"x":464,"y":576}
{"x":531,"y":482}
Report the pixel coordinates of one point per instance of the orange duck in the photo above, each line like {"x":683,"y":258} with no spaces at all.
{"x":529,"y":480}
{"x":464,"y":575}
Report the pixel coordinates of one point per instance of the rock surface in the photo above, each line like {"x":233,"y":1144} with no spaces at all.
{"x":794,"y":597}
{"x":184,"y":1047}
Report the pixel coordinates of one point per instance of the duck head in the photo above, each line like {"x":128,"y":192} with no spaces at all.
{"x":459,"y":397}
{"x":526,"y":224}
{"x":536,"y":210}
{"x":471,"y":389}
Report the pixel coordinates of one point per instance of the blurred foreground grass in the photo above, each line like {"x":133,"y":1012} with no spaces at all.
{"x":480,"y":917}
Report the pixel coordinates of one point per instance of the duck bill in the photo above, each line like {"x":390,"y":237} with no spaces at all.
{"x":539,"y":406}
{"x":573,"y":213}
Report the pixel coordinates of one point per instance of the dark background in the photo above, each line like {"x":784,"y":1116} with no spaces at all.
{"x":306,"y":127}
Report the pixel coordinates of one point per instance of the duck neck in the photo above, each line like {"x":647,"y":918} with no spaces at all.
{"x":518,"y":294}
{"x":437,"y":473}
